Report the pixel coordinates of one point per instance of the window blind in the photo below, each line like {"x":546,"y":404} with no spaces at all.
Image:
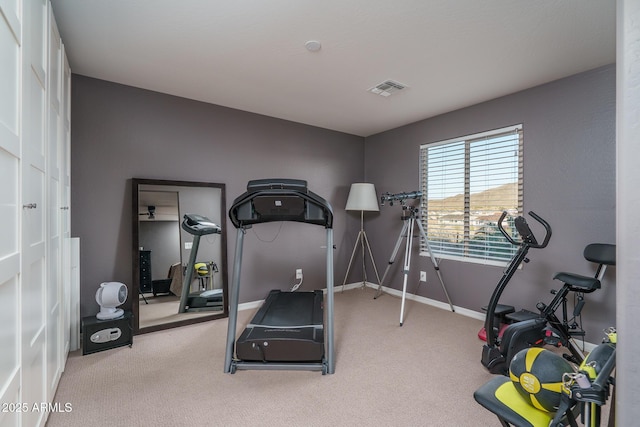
{"x":466,"y":184}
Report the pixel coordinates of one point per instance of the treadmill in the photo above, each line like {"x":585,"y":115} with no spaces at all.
{"x":209,"y":300}
{"x":289,"y":331}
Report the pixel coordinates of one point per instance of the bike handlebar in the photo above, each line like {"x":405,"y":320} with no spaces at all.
{"x":524,"y":230}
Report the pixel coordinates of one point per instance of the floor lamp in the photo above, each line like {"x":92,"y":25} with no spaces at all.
{"x":362,"y":197}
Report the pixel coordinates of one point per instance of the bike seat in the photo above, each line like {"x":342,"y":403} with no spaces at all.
{"x":578,"y":282}
{"x":600,"y":253}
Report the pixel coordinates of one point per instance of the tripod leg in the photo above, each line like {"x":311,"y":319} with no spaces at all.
{"x":375,"y":269}
{"x":394,"y":254}
{"x":407,"y":265}
{"x":435,"y":263}
{"x":353,"y":253}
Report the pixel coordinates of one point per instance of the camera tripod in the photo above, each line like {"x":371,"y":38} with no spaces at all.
{"x":409,"y":219}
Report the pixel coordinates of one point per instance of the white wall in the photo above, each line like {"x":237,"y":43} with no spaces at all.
{"x":628,"y":205}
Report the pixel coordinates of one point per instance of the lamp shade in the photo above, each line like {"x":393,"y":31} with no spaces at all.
{"x":362,"y":197}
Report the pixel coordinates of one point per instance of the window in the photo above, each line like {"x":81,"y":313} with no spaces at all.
{"x":466,"y":184}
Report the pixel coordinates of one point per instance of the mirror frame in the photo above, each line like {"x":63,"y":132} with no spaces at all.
{"x":136,"y":183}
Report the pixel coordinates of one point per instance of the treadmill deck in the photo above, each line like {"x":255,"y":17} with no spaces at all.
{"x":287,"y":328}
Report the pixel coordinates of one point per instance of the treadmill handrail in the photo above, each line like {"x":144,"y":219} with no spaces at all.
{"x":244,"y":202}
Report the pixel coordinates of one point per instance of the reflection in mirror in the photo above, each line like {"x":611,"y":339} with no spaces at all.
{"x":161,"y":252}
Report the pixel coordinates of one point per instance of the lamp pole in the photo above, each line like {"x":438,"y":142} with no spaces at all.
{"x":362,"y":196}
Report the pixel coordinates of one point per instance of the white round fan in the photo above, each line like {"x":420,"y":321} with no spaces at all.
{"x":109,"y":296}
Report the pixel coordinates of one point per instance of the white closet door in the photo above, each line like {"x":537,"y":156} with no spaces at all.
{"x":71,"y":312}
{"x":34,"y":210}
{"x":10,"y":209}
{"x":55,"y":305}
{"x":35,"y":292}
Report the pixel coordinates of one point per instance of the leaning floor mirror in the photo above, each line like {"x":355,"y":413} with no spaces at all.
{"x":162,"y":249}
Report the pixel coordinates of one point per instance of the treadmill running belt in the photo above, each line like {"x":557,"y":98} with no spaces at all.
{"x":287,"y":328}
{"x":289,"y":309}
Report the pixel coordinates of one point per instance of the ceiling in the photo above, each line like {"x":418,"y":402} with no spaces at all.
{"x":163,"y":201}
{"x":250,"y":55}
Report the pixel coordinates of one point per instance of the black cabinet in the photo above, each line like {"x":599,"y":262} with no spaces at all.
{"x":99,"y":335}
{"x":145,"y":271}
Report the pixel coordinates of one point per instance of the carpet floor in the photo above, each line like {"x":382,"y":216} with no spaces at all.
{"x":421,"y":374}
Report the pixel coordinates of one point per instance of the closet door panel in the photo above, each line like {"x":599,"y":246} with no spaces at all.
{"x":10,"y":48}
{"x":69,"y":343}
{"x":54,"y":256}
{"x":10,"y":70}
{"x":34,"y":209}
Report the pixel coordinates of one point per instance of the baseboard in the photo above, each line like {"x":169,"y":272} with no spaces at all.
{"x":355,"y":286}
{"x":250,"y":305}
{"x":395,"y":292}
{"x":428,"y":301}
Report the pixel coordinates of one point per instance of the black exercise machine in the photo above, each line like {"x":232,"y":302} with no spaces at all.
{"x":208,"y":300}
{"x":543,"y":328}
{"x":492,"y":357}
{"x":289,"y":331}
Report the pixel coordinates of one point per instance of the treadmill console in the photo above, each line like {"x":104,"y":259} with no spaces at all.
{"x":199,"y":225}
{"x":299,"y":185}
{"x":280,"y":199}
{"x":279,"y":207}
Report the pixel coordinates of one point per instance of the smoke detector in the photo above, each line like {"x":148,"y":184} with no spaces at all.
{"x":387,"y":87}
{"x":313,"y":45}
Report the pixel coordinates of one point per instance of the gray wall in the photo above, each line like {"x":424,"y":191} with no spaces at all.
{"x":120,"y":132}
{"x":569,"y":179}
{"x":162,"y":238}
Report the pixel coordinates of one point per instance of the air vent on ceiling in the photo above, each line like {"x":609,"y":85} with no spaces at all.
{"x":387,"y":87}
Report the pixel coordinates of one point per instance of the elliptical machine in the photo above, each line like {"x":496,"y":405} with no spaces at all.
{"x":545,"y":328}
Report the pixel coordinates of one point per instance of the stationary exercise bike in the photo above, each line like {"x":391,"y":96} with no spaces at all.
{"x":544,"y":328}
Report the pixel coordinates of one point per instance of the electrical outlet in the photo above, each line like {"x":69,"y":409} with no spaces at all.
{"x":298,"y":273}
{"x":423,"y":276}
